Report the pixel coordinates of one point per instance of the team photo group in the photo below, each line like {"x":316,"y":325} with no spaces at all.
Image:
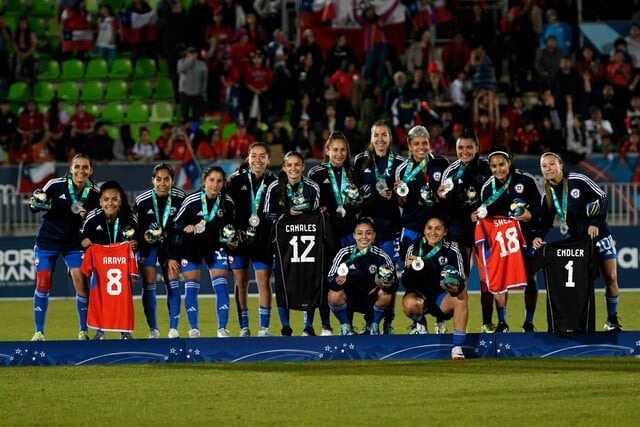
{"x":339,"y":239}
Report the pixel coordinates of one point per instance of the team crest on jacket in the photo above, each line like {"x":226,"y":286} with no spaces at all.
{"x":36,"y":262}
{"x":519,"y":188}
{"x":220,"y":213}
{"x":437,"y":176}
{"x":443,"y":260}
{"x":575,"y":193}
{"x":372,"y":268}
{"x":184,"y":262}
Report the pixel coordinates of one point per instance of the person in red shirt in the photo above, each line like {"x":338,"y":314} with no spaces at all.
{"x":455,"y":55}
{"x":239,"y":142}
{"x":527,"y":137}
{"x":343,"y":81}
{"x":486,"y":116}
{"x":30,"y":120}
{"x":214,"y":149}
{"x":163,"y":140}
{"x":241,"y":50}
{"x":257,"y":80}
{"x":82,"y":124}
{"x":224,"y":34}
{"x":178,"y":148}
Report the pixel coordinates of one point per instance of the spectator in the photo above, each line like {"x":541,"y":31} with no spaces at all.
{"x":527,"y":138}
{"x":505,"y":134}
{"x":8,"y":127}
{"x":482,"y":74}
{"x":437,"y":141}
{"x":455,"y":56}
{"x":476,"y":28}
{"x":550,"y":139}
{"x":354,"y":136}
{"x":280,"y":42}
{"x":337,"y":53}
{"x":548,"y":62}
{"x":619,"y":75}
{"x":124,"y":144}
{"x":632,"y":120}
{"x":404,"y":116}
{"x":192,"y":84}
{"x":107,"y":27}
{"x":394,"y":91}
{"x":75,"y":25}
{"x":437,"y":94}
{"x":612,"y":109}
{"x":175,"y":31}
{"x":279,"y":132}
{"x":304,"y":139}
{"x":307,"y":46}
{"x":257,"y":81}
{"x":630,"y":150}
{"x":590,"y":67}
{"x":229,"y":76}
{"x":330,"y":121}
{"x":529,"y":27}
{"x":232,"y":15}
{"x":212,"y":56}
{"x":240,"y":142}
{"x":578,"y":145}
{"x":560,"y":30}
{"x":419,"y":54}
{"x":225,"y":34}
{"x":486,"y":116}
{"x":42,"y":149}
{"x":214,"y":149}
{"x":200,"y":17}
{"x":143,"y":41}
{"x":282,"y":83}
{"x":633,"y":46}
{"x":241,"y":50}
{"x":100,"y":144}
{"x":256,"y":31}
{"x":308,"y":79}
{"x":566,"y":81}
{"x":24,"y":46}
{"x":304,"y":104}
{"x":145,"y":150}
{"x":418,"y":86}
{"x":178,"y":146}
{"x":596,"y":128}
{"x":460,"y":90}
{"x":343,"y":81}
{"x":163,"y":140}
{"x":6,"y":72}
{"x":546,"y":107}
{"x":269,"y":14}
{"x":515,"y":111}
{"x":82,"y":125}
{"x":30,"y":121}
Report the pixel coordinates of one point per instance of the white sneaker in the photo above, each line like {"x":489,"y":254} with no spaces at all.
{"x":245,"y":332}
{"x":173,"y":333}
{"x":38,"y":336}
{"x":326,"y":331}
{"x":441,"y":328}
{"x":419,"y":329}
{"x":456,"y":353}
{"x":153,"y":334}
{"x":264,"y":332}
{"x":194,"y":333}
{"x":223,"y":333}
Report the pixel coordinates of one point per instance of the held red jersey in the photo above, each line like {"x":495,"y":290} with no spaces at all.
{"x":499,"y":242}
{"x":112,"y":269}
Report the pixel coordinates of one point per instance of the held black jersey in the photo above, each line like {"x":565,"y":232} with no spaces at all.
{"x":302,"y":259}
{"x":570,"y":267}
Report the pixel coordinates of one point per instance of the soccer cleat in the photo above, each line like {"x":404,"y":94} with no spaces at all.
{"x":309,"y":332}
{"x":375,"y":329}
{"x":38,"y":336}
{"x":611,"y":325}
{"x":488,"y":328}
{"x":366,"y":330}
{"x":286,"y":331}
{"x":194,"y":333}
{"x":98,"y":336}
{"x":456,"y":353}
{"x":264,"y":332}
{"x":173,"y":333}
{"x":528,"y":326}
{"x":223,"y":333}
{"x":345,"y":329}
{"x":441,"y":328}
{"x":502,"y":327}
{"x":387,"y":328}
{"x":245,"y":332}
{"x":418,"y":329}
{"x":83,"y":336}
{"x":153,"y":334}
{"x":327,"y":331}
{"x":126,"y":336}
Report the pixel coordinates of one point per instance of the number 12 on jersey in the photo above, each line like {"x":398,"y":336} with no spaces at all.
{"x":306,"y":243}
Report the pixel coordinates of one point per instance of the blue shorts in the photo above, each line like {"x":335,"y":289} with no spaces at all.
{"x":216,"y":261}
{"x":606,"y":248}
{"x":239,"y":262}
{"x":150,"y":259}
{"x":46,"y":260}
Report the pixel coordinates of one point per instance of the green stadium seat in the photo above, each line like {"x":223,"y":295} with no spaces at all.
{"x":164,"y":89}
{"x":72,"y":69}
{"x":45,"y":8}
{"x":228,"y":130}
{"x":96,"y":69}
{"x":140,"y":89}
{"x":112,"y":113}
{"x":116,"y":5}
{"x":93,"y":109}
{"x":38,"y":26}
{"x":16,"y":7}
{"x":117,"y":90}
{"x":121,"y":68}
{"x":92,"y":91}
{"x":43,"y":92}
{"x":137,"y":112}
{"x":113,"y":132}
{"x":19,"y":93}
{"x":161,"y":112}
{"x":154,"y":131}
{"x":48,"y":69}
{"x":69,"y":91}
{"x":145,"y":68}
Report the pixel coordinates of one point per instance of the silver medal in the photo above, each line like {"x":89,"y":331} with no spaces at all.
{"x":417,"y":264}
{"x":403,"y":189}
{"x":76,"y":207}
{"x":482,"y":211}
{"x":200,"y":227}
{"x":564,"y":228}
{"x":343,"y":270}
{"x":381,"y":185}
{"x":448,"y":185}
{"x":341,"y":211}
{"x":254,"y":220}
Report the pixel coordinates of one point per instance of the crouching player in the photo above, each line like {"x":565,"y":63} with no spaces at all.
{"x":362,"y":279}
{"x":434,"y":279}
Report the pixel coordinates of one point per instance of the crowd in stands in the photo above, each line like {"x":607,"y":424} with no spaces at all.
{"x":520,"y":79}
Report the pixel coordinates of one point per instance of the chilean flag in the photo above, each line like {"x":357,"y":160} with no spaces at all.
{"x":34,"y":176}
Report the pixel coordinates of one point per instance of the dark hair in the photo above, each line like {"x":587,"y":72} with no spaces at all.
{"x":371,"y":150}
{"x":125,"y":208}
{"x":209,"y":170}
{"x":161,"y":166}
{"x":365,"y":220}
{"x":337,"y":135}
{"x":283,"y":179}
{"x":470,"y":134}
{"x":501,"y":150}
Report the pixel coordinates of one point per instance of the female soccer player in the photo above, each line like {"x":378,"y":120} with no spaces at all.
{"x":66,"y":202}
{"x":581,"y":206}
{"x":362,"y":278}
{"x":512,"y":193}
{"x":247,"y":187}
{"x":156,"y":209}
{"x":198,"y":227}
{"x":434,"y":279}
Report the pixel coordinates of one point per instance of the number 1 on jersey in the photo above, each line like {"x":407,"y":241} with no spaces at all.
{"x":569,"y":267}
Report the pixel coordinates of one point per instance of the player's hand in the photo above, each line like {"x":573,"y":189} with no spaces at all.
{"x":134,"y":244}
{"x":341,"y":280}
{"x":474,"y":216}
{"x":537,"y":243}
{"x":593,"y":231}
{"x":525,"y":217}
{"x":190,"y":229}
{"x":173,"y":269}
{"x":86,"y":242}
{"x":409,"y":260}
{"x":294,"y":212}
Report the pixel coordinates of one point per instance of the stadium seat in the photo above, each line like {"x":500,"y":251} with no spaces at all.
{"x":140,"y":89}
{"x":48,"y":69}
{"x":45,"y":8}
{"x":38,"y":26}
{"x":145,"y":68}
{"x":92,"y":91}
{"x":72,"y":69}
{"x":117,"y":90}
{"x":18,"y":93}
{"x":43,"y":92}
{"x":97,"y":69}
{"x":93,"y":109}
{"x":228,"y":130}
{"x":121,"y":68}
{"x":16,"y":7}
{"x":154,"y":131}
{"x":164,"y":89}
{"x":112,"y":113}
{"x":69,"y":91}
{"x":161,"y":112}
{"x":137,"y":112}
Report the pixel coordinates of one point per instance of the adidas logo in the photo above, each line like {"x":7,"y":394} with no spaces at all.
{"x":352,"y":267}
{"x":326,"y":181}
{"x":243,"y":188}
{"x":192,"y":309}
{"x":37,"y":309}
{"x":63,"y":197}
{"x":223,"y":307}
{"x":150,"y":212}
{"x":99,"y":228}
{"x":367,"y":170}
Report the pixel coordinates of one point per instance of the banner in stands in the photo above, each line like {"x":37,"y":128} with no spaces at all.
{"x":17,"y":274}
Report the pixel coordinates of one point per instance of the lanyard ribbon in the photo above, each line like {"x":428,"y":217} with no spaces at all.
{"x":72,"y":191}
{"x":432,"y":252}
{"x":562,"y":212}
{"x":334,"y":184}
{"x":165,"y":212}
{"x":255,"y":196}
{"x":496,"y":193}
{"x":410,"y":172}
{"x":355,"y":254}
{"x":382,"y":175}
{"x":290,"y":190}
{"x":116,"y":225}
{"x":208,"y":215}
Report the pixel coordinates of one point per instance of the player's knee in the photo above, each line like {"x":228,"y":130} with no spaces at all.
{"x":412,"y":306}
{"x":43,"y":280}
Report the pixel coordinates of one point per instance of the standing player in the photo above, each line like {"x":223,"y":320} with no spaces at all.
{"x":581,"y":207}
{"x":156,"y":209}
{"x":362,"y":278}
{"x":66,"y":201}
{"x":514,"y":194}
{"x":434,"y":279}
{"x":247,"y":187}
{"x":198,"y":237}
{"x":291,"y":195}
{"x":461,"y":188}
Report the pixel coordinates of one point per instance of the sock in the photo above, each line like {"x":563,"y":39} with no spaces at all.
{"x":265,"y":316}
{"x":378,"y":313}
{"x":40,"y":305}
{"x":173,"y":303}
{"x":283,"y":314}
{"x":149,"y":304}
{"x":325,"y":315}
{"x":419,"y":319}
{"x":502,"y":314}
{"x":459,"y":337}
{"x":487,"y":314}
{"x":612,"y":305}
{"x":340,"y":311}
{"x":308,"y":317}
{"x":222,"y":300}
{"x":82,"y":304}
{"x":389,"y":315}
{"x":191,"y":290}
{"x":243,"y":317}
{"x":529,"y":311}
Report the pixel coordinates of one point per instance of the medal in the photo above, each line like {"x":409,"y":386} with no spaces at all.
{"x":381,"y":185}
{"x":341,"y":211}
{"x":254,"y":220}
{"x":482,"y":211}
{"x":76,"y":207}
{"x":403,"y":189}
{"x":343,"y":270}
{"x":448,"y":186}
{"x":77,"y":204}
{"x":417,"y":264}
{"x":200,"y":227}
{"x":564,"y":228}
